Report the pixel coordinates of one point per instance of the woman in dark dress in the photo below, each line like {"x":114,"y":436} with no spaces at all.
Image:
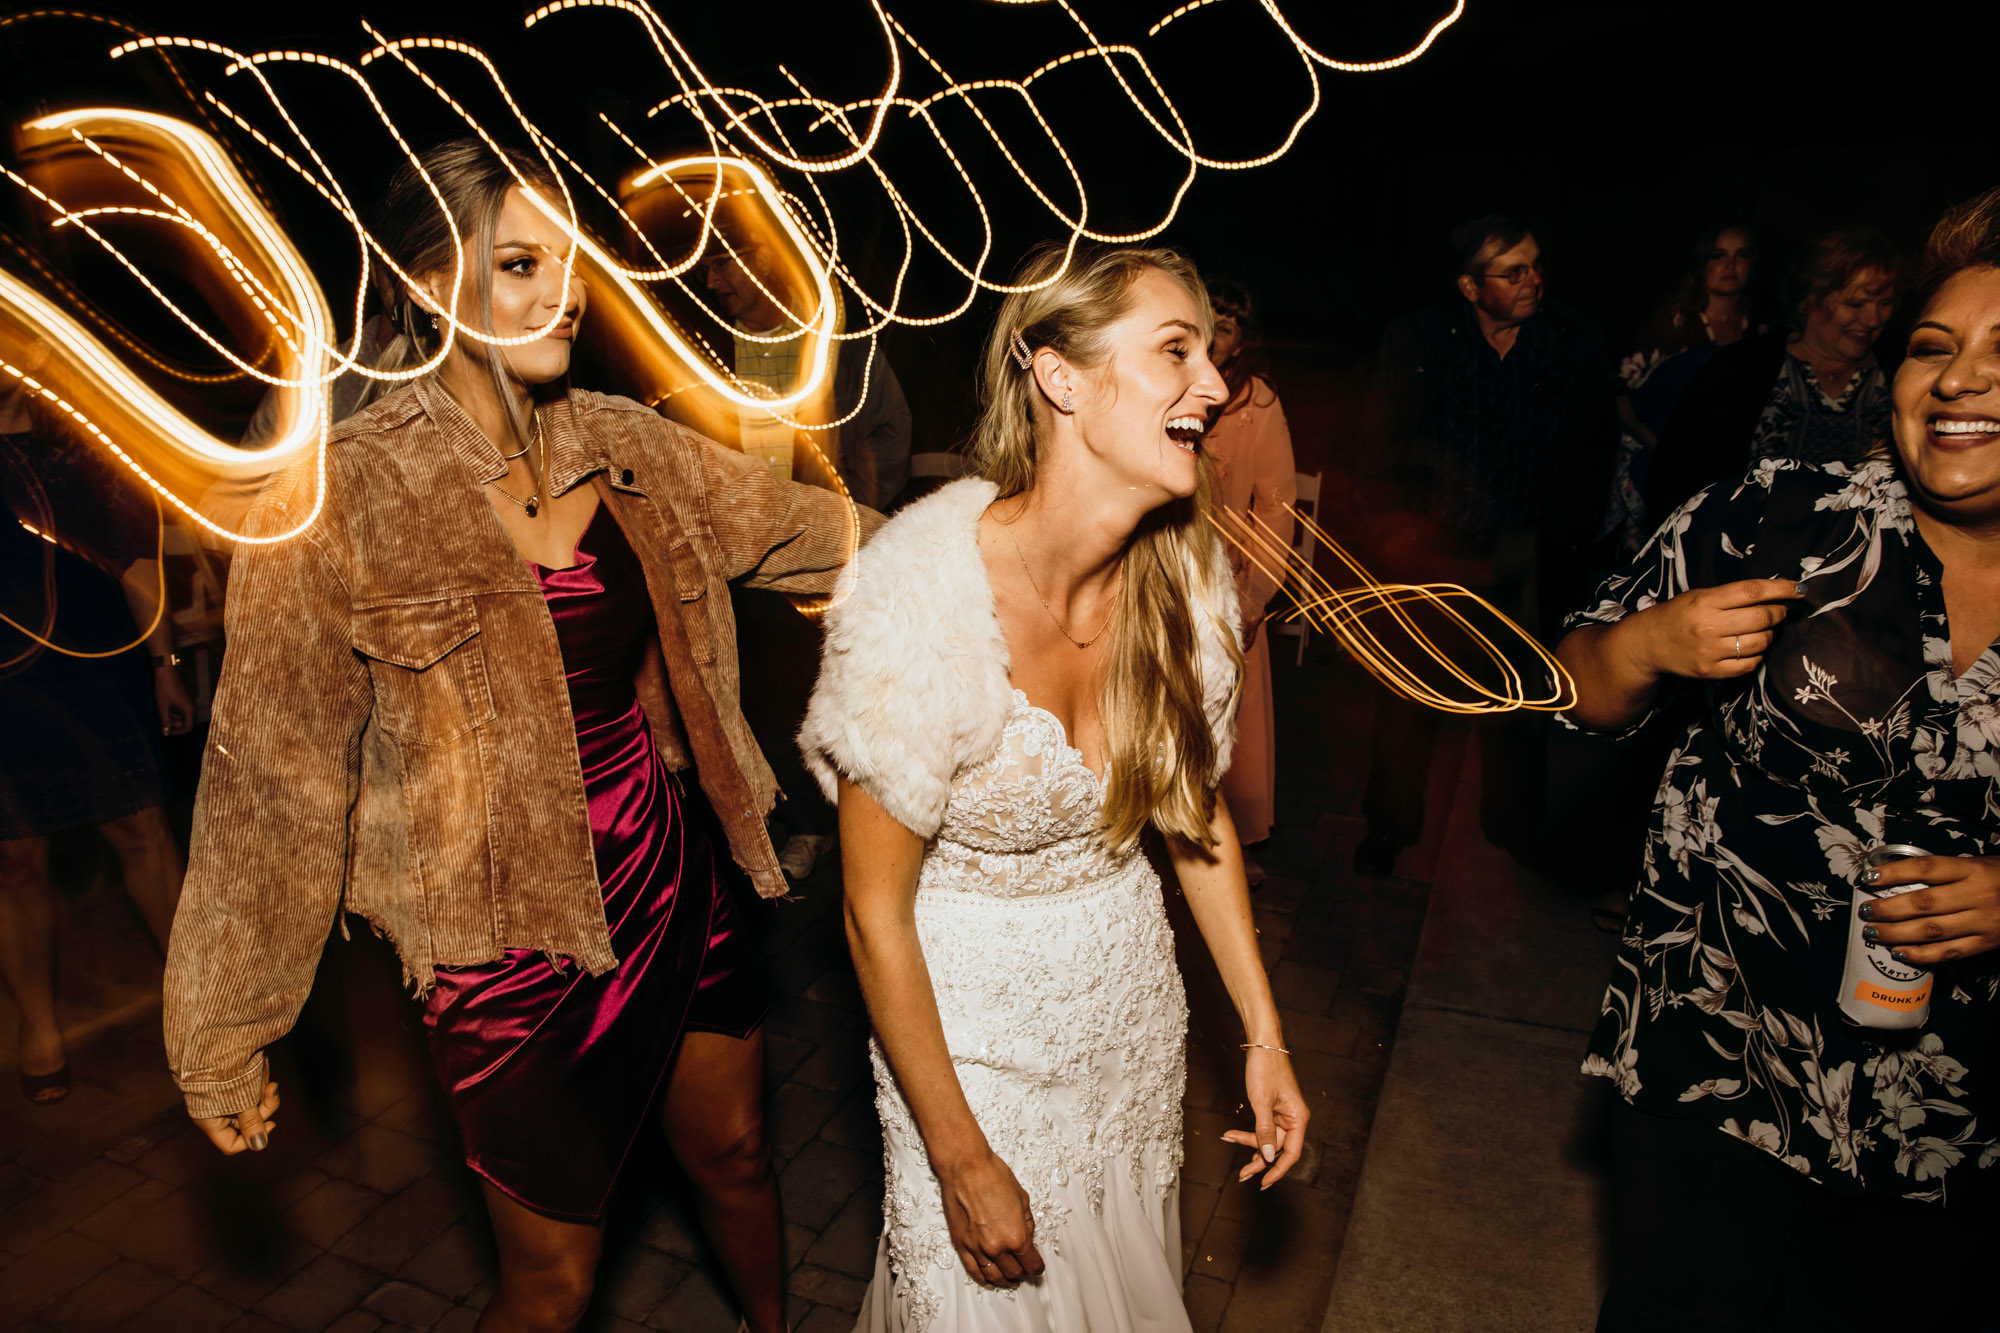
{"x":1841,"y":623}
{"x":461,"y":704}
{"x":1714,"y":308}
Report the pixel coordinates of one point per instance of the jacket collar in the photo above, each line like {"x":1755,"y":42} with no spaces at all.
{"x":573,"y":454}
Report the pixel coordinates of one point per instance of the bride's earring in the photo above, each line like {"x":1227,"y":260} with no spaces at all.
{"x":1069,"y":401}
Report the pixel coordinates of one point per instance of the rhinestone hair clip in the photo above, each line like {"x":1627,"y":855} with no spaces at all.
{"x":1018,"y":347}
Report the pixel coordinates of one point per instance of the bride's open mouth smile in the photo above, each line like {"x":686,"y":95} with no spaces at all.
{"x":1186,"y":432}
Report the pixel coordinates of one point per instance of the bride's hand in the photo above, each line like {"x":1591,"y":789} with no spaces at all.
{"x":991,"y":1221}
{"x":1281,"y":1114}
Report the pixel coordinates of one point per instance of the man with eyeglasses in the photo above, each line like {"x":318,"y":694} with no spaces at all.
{"x":1495,"y":420}
{"x":871,"y":446}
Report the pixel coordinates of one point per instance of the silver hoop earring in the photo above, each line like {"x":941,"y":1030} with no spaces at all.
{"x":1069,"y":401}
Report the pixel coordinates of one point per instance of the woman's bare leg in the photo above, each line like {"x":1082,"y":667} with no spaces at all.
{"x":153,"y":866}
{"x":547,"y":1269}
{"x":714,"y":1116}
{"x":28,"y":950}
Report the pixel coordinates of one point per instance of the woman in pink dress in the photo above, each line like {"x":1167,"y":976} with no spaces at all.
{"x":1252,"y":448}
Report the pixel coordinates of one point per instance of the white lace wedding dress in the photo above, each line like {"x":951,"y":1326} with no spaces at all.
{"x":1054,"y":972}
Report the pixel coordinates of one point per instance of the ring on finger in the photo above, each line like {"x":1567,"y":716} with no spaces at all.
{"x":1739,"y":647}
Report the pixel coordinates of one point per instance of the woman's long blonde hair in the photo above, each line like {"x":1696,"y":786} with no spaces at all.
{"x":1160,"y":750}
{"x":424,"y":241}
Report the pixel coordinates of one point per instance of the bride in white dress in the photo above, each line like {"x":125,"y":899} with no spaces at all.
{"x":1033,"y":666}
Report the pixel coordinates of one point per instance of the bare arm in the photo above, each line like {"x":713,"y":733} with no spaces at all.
{"x":880,"y":859}
{"x":1614,"y":684}
{"x":1628,"y":417}
{"x":986,"y":1209}
{"x":1219,"y":898}
{"x":1704,"y":634}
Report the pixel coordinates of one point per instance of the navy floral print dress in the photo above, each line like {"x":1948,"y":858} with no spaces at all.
{"x":1855,"y":730}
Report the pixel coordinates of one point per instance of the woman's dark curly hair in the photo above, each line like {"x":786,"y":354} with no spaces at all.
{"x":1967,"y":236}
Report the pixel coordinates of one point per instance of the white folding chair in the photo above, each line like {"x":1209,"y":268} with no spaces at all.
{"x":1303,"y":543}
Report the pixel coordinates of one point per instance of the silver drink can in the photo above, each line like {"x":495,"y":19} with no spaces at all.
{"x":1876,"y":991}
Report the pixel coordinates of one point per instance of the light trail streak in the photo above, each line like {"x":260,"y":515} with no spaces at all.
{"x":1344,"y":615}
{"x":49,"y":603}
{"x":233,"y":249}
{"x":161,"y":170}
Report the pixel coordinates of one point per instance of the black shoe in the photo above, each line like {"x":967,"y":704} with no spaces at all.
{"x":1376,"y":856}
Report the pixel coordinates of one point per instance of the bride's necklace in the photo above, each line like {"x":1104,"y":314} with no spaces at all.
{"x":1081,"y":643}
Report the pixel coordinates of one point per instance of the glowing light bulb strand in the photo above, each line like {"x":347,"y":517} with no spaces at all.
{"x":91,"y":428}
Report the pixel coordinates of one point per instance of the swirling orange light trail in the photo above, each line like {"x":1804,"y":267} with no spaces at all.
{"x":186,"y":183}
{"x":1343,"y":615}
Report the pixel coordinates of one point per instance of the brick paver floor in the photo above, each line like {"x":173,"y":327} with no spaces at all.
{"x":115,"y":1214}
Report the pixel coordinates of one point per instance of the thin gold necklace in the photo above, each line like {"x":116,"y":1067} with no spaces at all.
{"x":1081,"y":643}
{"x":533,"y":504}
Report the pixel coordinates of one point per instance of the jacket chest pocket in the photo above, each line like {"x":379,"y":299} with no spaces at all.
{"x":428,"y":667}
{"x":691,"y":586}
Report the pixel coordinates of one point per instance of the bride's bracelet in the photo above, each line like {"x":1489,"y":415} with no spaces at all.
{"x":1260,"y":1046}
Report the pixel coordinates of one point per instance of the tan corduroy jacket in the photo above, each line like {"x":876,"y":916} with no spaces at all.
{"x":392,"y":734}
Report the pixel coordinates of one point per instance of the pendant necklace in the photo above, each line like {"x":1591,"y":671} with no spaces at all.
{"x":1080,"y":643}
{"x":533,"y":504}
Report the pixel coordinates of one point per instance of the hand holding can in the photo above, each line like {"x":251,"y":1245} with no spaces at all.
{"x":1879,"y":988}
{"x":1945,"y":908}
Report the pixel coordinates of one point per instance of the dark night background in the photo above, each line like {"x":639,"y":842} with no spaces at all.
{"x":1619,"y":130}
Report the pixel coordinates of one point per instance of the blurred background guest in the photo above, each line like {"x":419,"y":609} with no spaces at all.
{"x":1256,"y":479}
{"x":1496,"y":419}
{"x":779,"y":648}
{"x":738,"y":274}
{"x":871,"y":446}
{"x":78,"y":568}
{"x":1814,"y":392}
{"x":874,"y":452}
{"x":1715,"y":307}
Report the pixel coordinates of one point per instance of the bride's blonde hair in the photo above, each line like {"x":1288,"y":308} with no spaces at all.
{"x":1160,"y":750}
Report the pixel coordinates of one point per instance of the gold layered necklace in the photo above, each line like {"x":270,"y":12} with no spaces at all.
{"x":1060,"y":628}
{"x":533,"y":504}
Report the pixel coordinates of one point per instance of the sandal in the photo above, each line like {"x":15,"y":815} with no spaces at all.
{"x":41,"y":1089}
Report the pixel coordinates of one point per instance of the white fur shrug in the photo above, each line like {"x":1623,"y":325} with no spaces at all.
{"x":913,"y":682}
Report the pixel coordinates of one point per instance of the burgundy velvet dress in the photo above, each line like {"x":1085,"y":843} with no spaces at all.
{"x":551,"y":1072}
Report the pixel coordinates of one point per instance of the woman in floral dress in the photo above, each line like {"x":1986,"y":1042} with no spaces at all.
{"x":1839,"y":623}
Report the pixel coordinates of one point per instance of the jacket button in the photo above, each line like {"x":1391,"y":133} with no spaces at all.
{"x":625,"y":477}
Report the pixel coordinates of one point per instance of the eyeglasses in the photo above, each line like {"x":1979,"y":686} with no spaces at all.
{"x":1516,"y":275}
{"x":746,"y":253}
